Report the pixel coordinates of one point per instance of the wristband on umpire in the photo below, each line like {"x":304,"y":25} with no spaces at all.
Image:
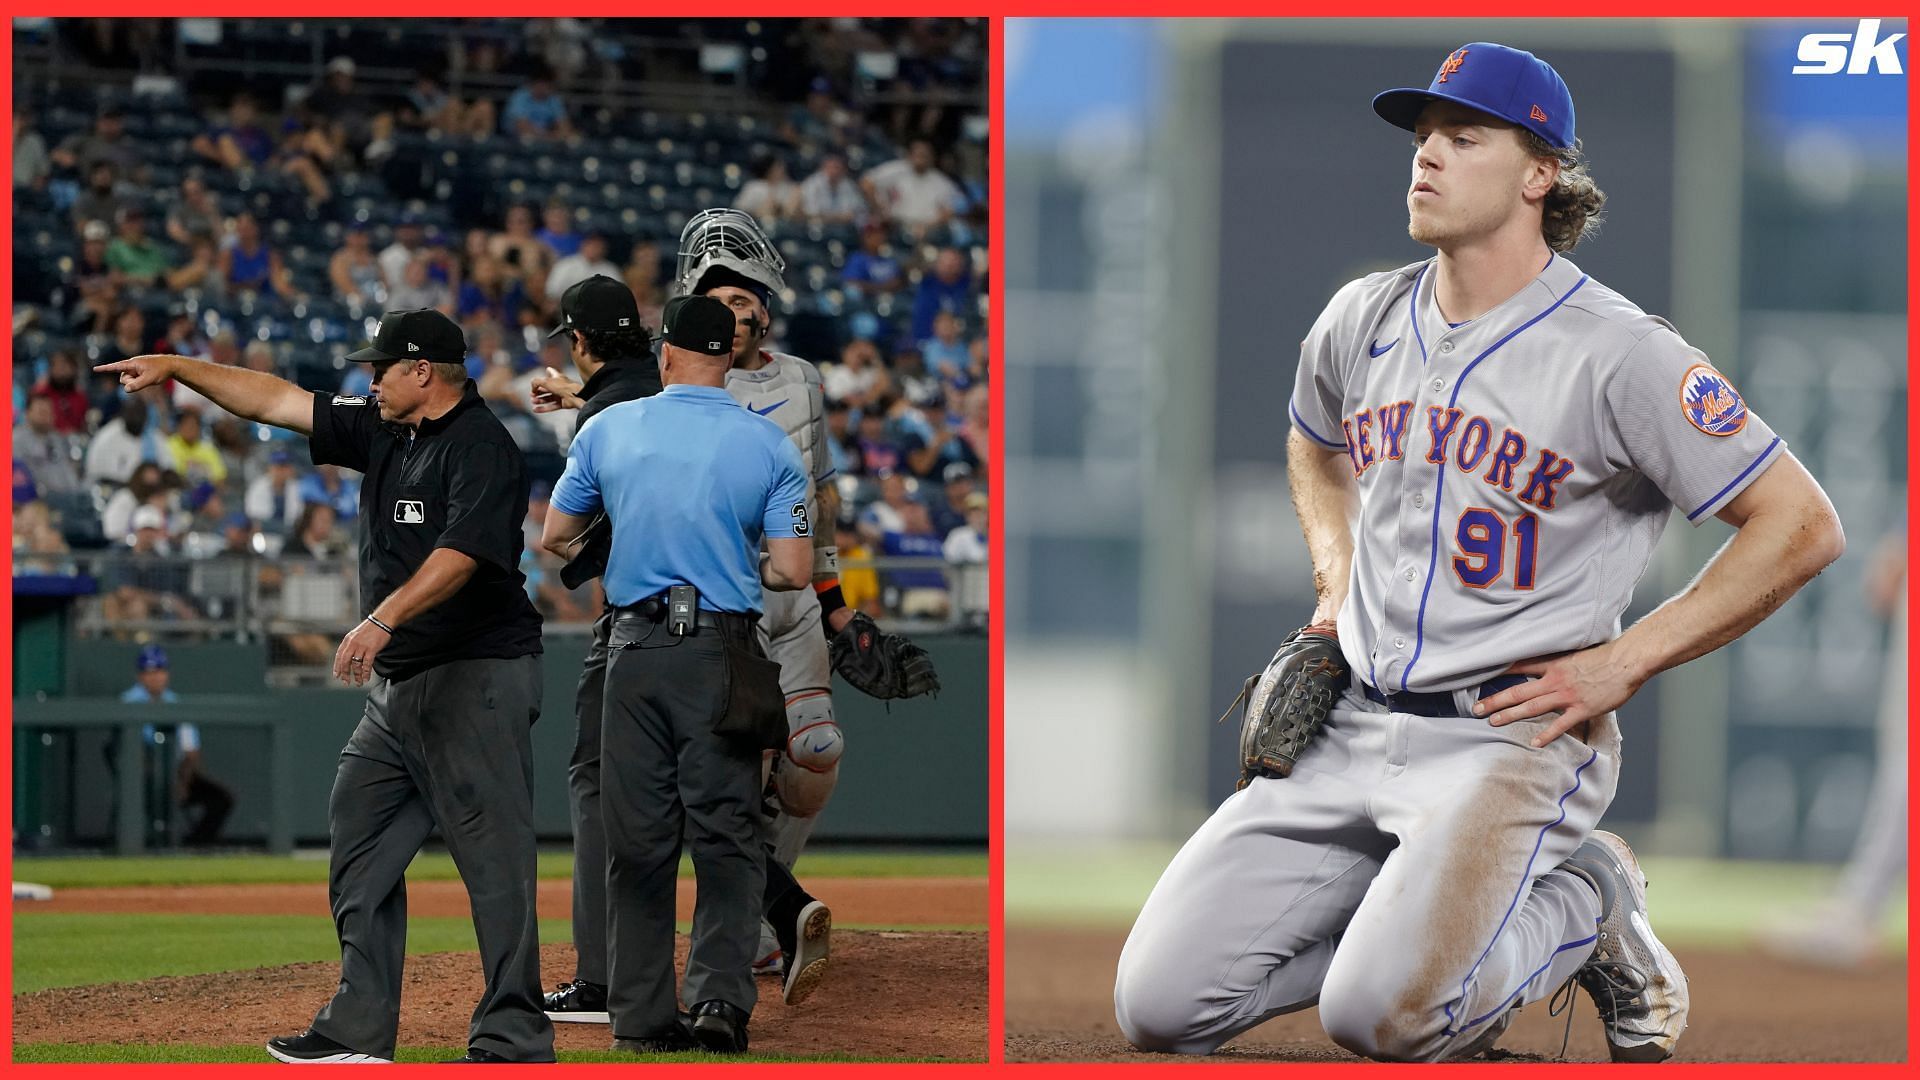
{"x":381,"y":625}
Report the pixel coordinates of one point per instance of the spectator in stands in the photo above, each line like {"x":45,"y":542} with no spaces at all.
{"x":948,"y":288}
{"x":488,"y":291}
{"x":956,"y":488}
{"x":947,"y":351}
{"x":196,"y":215}
{"x":47,"y":453}
{"x":106,"y":143}
{"x":61,"y":388}
{"x":150,"y":584}
{"x":873,"y":269}
{"x":520,"y":252}
{"x":129,"y":339}
{"x":317,"y":535}
{"x":973,"y":443}
{"x":859,"y":581}
{"x":191,"y":787}
{"x":841,"y":449}
{"x":966,"y":547}
{"x":312,"y":146}
{"x":194,"y":457}
{"x":857,"y":377}
{"x":124,"y":443}
{"x":239,"y":144}
{"x":887,"y":513}
{"x":409,"y":240}
{"x":771,"y":194}
{"x":339,"y":108}
{"x":91,"y":288}
{"x":140,"y":259}
{"x":34,"y":534}
{"x":328,"y":485}
{"x":819,"y":120}
{"x":536,"y":111}
{"x":911,"y":192}
{"x":101,"y":200}
{"x":31,"y":165}
{"x":921,"y":591}
{"x":184,"y":337}
{"x":831,"y":194}
{"x":915,"y":382}
{"x":642,"y":275}
{"x":591,"y":259}
{"x":355,"y":271}
{"x":200,"y":271}
{"x":557,"y":232}
{"x":429,"y":107}
{"x":417,"y":289}
{"x":879,"y":454}
{"x":248,"y":264}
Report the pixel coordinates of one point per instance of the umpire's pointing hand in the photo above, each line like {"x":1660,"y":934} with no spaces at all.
{"x":353,"y":662}
{"x":139,"y":372}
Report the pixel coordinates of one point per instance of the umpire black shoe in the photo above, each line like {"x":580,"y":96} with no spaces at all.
{"x":477,"y":1056}
{"x":720,"y":1027}
{"x":578,"y":1002}
{"x":677,"y":1039}
{"x":311,"y":1048}
{"x":806,"y":944}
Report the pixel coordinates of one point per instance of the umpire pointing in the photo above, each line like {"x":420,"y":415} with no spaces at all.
{"x":449,"y":652}
{"x":692,"y":482}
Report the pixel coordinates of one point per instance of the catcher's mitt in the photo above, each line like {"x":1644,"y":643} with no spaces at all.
{"x":1287,"y":702}
{"x":880,"y":664}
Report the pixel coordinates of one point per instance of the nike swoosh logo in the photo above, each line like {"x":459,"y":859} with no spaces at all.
{"x":777,"y":404}
{"x":822,"y":746}
{"x":1378,"y":349}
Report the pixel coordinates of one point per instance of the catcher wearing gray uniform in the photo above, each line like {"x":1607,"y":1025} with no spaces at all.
{"x":724,"y":255}
{"x":1486,"y":447}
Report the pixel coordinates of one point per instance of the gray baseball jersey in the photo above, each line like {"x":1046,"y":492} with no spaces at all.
{"x":788,"y":391}
{"x":1514,"y":471}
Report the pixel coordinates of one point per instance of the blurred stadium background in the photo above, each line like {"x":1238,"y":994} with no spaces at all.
{"x":257,"y":191}
{"x":1181,"y":200}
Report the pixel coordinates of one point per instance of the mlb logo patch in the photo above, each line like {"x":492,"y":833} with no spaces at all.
{"x":349,"y":399}
{"x":1710,"y":402}
{"x":409,"y":512}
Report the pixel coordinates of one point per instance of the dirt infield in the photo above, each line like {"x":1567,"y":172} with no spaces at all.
{"x":955,"y":901}
{"x":1059,"y":1007}
{"x":906,"y":993}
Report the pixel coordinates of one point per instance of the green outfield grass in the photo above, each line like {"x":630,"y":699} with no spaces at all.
{"x":70,"y":1053}
{"x":1692,"y":901}
{"x":79,"y":872}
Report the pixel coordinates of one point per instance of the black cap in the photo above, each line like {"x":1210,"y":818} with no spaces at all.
{"x":698,"y":324}
{"x":598,"y":303}
{"x":420,"y":334}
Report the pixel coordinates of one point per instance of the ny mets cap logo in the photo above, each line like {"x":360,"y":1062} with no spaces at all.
{"x":1452,"y":63}
{"x":1711,"y":403}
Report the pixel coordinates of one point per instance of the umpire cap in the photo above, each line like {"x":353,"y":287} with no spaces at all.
{"x":419,"y":334}
{"x":698,"y":324}
{"x":598,"y":303}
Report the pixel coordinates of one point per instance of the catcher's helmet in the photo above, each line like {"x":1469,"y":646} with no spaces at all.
{"x":728,"y":240}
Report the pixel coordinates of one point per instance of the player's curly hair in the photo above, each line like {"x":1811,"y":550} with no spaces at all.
{"x":607,"y":345}
{"x":1573,"y":209}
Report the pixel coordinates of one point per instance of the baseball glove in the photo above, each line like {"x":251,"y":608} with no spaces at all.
{"x":1287,"y":702}
{"x":879,"y":664}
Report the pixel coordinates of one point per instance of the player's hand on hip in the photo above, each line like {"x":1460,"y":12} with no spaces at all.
{"x":1577,"y":686}
{"x":353,"y":661}
{"x":138,"y":372}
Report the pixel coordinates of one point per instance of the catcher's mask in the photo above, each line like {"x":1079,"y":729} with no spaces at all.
{"x":729,"y":244}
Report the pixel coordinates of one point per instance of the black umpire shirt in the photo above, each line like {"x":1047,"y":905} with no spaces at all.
{"x":455,"y":482}
{"x":618,"y":381}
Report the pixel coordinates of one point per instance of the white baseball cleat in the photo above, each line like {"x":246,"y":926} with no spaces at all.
{"x":813,"y":940}
{"x":1635,"y":981}
{"x":772,"y":959}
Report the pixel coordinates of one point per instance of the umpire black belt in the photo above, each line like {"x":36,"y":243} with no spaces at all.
{"x":1439,"y":703}
{"x":726,"y":623}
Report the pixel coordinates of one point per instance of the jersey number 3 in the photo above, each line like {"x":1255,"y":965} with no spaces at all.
{"x":1482,"y":537}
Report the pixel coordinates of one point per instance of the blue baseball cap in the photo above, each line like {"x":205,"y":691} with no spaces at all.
{"x":152,"y":658}
{"x":1511,"y":84}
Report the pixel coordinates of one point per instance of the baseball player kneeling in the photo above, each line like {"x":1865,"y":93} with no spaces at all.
{"x":1413,"y":845}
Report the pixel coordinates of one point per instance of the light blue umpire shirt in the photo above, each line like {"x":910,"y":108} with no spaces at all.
{"x":692,"y":482}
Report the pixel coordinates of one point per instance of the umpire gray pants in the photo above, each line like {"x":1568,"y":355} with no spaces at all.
{"x":450,"y":747}
{"x":665,"y":774}
{"x":589,"y":832}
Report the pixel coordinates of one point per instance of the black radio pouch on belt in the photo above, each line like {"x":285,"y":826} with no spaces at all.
{"x":683,"y":610}
{"x":756,"y":716}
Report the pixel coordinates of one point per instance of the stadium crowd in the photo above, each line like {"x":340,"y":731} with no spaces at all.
{"x":264,"y":222}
